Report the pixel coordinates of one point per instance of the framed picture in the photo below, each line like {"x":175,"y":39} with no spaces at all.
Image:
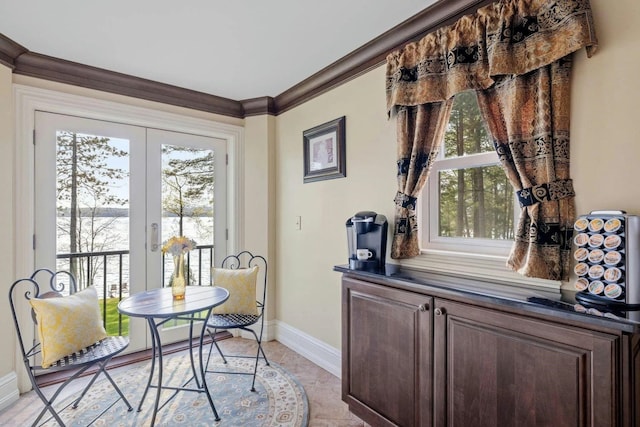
{"x":324,"y":151}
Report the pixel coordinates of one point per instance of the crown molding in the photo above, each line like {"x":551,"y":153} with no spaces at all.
{"x":363,"y":59}
{"x":259,"y":106}
{"x":59,"y":70}
{"x":9,"y":51}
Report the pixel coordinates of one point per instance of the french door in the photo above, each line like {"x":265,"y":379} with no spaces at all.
{"x":107,"y":195}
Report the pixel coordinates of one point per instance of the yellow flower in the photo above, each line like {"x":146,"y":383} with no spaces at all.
{"x":178,"y":245}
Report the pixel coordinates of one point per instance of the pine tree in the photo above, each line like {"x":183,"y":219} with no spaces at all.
{"x":85,"y":176}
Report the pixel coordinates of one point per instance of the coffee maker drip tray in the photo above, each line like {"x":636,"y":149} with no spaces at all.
{"x":366,"y":265}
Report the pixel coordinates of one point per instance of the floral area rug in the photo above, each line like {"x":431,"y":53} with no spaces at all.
{"x":279,"y":399}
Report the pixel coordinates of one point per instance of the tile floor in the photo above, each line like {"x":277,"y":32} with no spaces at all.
{"x":326,"y":408}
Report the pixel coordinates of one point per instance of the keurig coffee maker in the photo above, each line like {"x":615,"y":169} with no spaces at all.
{"x":367,"y":239}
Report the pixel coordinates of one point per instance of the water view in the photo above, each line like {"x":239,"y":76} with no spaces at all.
{"x":107,"y":265}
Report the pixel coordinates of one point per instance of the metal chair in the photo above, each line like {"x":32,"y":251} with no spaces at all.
{"x":97,"y":355}
{"x":243,"y":322}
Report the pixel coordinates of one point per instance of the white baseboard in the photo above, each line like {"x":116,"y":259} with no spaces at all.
{"x":311,"y":348}
{"x":8,"y":390}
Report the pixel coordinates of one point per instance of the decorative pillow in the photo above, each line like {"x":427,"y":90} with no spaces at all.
{"x":67,"y":324}
{"x":241,"y":284}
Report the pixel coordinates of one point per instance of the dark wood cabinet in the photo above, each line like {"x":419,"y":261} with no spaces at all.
{"x":428,"y":356}
{"x":496,"y":369}
{"x":387,"y":354}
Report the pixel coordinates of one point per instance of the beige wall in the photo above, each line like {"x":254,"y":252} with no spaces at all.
{"x":7,"y":334}
{"x":308,"y":296}
{"x":259,"y":200}
{"x":605,"y":145}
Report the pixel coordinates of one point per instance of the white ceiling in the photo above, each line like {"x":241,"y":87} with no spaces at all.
{"x":236,"y":49}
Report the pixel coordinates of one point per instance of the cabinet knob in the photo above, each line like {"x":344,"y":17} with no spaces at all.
{"x":423,"y":307}
{"x":439,"y":311}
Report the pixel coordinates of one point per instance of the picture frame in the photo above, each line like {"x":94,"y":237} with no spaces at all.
{"x":325,"y":151}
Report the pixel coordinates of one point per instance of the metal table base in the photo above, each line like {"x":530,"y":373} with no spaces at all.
{"x":158,"y":307}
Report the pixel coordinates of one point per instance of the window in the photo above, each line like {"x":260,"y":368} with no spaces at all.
{"x":469,"y":203}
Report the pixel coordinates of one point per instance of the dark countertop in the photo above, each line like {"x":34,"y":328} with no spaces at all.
{"x":553,"y":305}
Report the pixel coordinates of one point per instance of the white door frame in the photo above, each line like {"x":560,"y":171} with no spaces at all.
{"x":28,"y":100}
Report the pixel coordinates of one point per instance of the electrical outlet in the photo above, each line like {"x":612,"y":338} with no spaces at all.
{"x":298,"y":222}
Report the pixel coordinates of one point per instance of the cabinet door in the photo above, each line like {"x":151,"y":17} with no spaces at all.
{"x":498,"y":369}
{"x":386,"y":354}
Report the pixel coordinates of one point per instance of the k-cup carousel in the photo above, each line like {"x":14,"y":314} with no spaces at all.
{"x":607,"y":259}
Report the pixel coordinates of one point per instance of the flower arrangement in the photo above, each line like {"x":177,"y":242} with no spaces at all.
{"x":178,"y":245}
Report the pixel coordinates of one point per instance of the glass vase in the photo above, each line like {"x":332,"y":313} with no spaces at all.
{"x":178,"y":284}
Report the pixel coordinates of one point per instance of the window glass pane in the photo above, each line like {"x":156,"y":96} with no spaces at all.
{"x":475,"y":203}
{"x":466,"y":132}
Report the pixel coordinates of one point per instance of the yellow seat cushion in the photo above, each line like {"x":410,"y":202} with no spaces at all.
{"x":67,"y":324}
{"x":241,"y":284}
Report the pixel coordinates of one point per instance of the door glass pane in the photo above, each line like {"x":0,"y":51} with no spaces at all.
{"x":476,"y":203}
{"x":92,"y":221}
{"x":188,"y":181}
{"x":187,"y":210}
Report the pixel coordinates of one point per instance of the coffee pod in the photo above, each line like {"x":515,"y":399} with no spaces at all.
{"x":596,"y":287}
{"x":596,"y":271}
{"x":612,"y":258}
{"x":612,"y":290}
{"x":581,"y":284}
{"x":581,"y":269}
{"x":581,"y":254}
{"x":612,"y":274}
{"x":596,"y":224}
{"x":596,"y":256}
{"x":612,"y":242}
{"x":581,"y":224}
{"x":581,"y":239}
{"x":612,"y":225}
{"x":596,"y":240}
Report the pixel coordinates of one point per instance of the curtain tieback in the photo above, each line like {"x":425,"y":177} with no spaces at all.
{"x":405,"y":201}
{"x":554,"y":190}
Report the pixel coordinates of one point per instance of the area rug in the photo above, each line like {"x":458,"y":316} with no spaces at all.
{"x":279,"y":399}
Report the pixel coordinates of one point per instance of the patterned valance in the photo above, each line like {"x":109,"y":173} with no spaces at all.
{"x":509,"y":37}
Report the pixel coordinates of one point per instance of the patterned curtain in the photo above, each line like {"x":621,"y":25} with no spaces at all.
{"x":518,"y":51}
{"x":420,"y":129}
{"x":528,"y":118}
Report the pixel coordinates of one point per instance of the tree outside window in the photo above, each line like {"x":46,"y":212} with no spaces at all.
{"x":469,"y":198}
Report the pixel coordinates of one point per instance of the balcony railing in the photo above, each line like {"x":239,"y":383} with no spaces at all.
{"x":108,"y":271}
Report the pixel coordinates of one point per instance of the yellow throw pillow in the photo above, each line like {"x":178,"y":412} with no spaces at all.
{"x":241,"y":284}
{"x":67,"y":324}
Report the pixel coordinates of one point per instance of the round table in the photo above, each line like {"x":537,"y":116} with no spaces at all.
{"x":157,"y":306}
